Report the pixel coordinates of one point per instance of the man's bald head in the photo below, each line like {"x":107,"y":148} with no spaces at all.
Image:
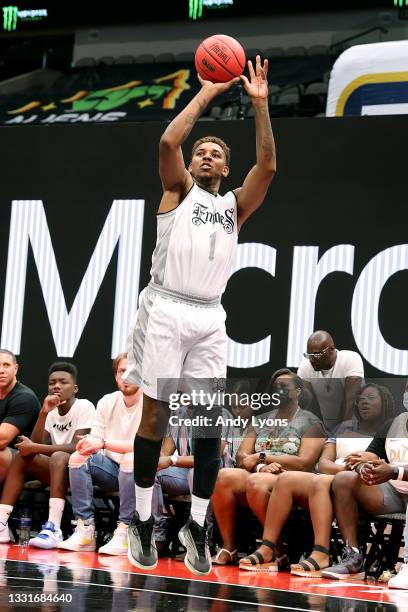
{"x":321,"y":343}
{"x":320,"y":338}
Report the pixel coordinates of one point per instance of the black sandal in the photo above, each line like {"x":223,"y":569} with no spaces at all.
{"x":302,"y":569}
{"x":257,"y":562}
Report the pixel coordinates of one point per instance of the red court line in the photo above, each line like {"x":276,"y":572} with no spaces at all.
{"x":230,"y":575}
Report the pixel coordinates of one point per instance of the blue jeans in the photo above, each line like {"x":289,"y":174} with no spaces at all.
{"x":104,"y":472}
{"x":173,"y":481}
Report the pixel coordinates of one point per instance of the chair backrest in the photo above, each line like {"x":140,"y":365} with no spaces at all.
{"x":317,"y":88}
{"x":251,"y":54}
{"x":185,"y":56}
{"x":85,"y":62}
{"x":295,"y":51}
{"x":144,"y":58}
{"x":123,"y":60}
{"x":165,"y":58}
{"x":318,"y":50}
{"x":273,"y":52}
{"x":287,"y":99}
{"x":215,"y":112}
{"x":105,"y":60}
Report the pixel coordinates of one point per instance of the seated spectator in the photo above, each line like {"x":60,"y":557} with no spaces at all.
{"x":105,"y":458}
{"x":266,"y":450}
{"x":334,"y":377}
{"x":19,"y":408}
{"x":240,"y":407}
{"x":45,"y":456}
{"x":405,"y":396}
{"x":376,"y":482}
{"x":176,"y":464}
{"x":312,"y":491}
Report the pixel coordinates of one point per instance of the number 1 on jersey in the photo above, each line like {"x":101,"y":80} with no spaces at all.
{"x":212,"y":246}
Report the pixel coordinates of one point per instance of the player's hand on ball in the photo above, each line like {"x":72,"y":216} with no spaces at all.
{"x":257,"y":86}
{"x":218,"y":88}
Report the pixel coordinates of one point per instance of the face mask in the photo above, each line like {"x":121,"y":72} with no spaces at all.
{"x":405,"y":400}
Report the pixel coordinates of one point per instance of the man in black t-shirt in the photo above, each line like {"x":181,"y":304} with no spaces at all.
{"x":19,"y":408}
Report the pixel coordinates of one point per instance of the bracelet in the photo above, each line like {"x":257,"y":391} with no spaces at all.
{"x":173,"y":460}
{"x":260,"y":466}
{"x":400,"y":473}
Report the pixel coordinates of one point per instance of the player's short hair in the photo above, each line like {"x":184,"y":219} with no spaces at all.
{"x":116,"y":361}
{"x":217,"y":141}
{"x":64,"y":366}
{"x":7,"y":352}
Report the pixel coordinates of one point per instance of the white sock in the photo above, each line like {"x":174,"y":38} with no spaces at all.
{"x":199,"y":509}
{"x":56,"y":509}
{"x":144,"y":502}
{"x":5,"y":511}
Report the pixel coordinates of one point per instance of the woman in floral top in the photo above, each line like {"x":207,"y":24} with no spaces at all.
{"x":372,"y":407}
{"x":286,"y":438}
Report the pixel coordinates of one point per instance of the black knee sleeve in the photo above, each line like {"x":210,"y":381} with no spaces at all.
{"x":206,"y":465}
{"x":146,"y":458}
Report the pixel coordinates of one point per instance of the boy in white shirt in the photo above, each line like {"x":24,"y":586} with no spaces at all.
{"x":105,"y":458}
{"x":45,"y":456}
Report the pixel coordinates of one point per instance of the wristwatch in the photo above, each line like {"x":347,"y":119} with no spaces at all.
{"x":398,"y":472}
{"x":262,"y":457}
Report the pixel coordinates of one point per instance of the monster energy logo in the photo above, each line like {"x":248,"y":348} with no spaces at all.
{"x":195,"y":9}
{"x":401,"y":3}
{"x":10,"y":18}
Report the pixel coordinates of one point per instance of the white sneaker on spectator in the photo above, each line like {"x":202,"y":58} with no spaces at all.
{"x":83,"y":538}
{"x":49,"y":537}
{"x":117,"y":545}
{"x":4,"y":533}
{"x":400,"y":581}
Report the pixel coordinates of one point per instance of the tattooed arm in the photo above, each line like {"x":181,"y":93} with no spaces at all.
{"x":175,"y":178}
{"x":255,"y":186}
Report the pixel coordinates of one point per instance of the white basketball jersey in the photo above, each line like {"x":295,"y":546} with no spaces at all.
{"x":196,"y":244}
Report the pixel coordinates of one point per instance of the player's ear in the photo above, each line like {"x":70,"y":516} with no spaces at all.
{"x":225,"y":171}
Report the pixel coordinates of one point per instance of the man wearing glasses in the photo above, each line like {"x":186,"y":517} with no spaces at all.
{"x":333,"y":376}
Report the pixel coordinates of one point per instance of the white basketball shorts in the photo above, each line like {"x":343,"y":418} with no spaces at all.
{"x":175,"y":339}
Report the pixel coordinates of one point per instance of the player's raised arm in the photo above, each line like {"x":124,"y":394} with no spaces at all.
{"x":256,"y":184}
{"x":173,"y":173}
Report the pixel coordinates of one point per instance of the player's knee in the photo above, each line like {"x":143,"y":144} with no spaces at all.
{"x":77,"y":460}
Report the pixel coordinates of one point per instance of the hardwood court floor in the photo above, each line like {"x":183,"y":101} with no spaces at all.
{"x":54,"y":581}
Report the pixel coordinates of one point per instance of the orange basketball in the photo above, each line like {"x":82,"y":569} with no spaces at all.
{"x":219,"y":58}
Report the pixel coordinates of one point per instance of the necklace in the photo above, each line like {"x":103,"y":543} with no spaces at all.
{"x":327,"y":381}
{"x":275,"y":432}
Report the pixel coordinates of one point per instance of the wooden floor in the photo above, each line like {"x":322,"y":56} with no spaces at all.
{"x":82,"y":582}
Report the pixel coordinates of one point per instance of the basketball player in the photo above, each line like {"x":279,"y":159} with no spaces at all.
{"x":180,"y":327}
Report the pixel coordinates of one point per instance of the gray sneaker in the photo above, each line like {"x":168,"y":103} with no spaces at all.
{"x":142,"y":552}
{"x":351,"y":566}
{"x":194,"y":538}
